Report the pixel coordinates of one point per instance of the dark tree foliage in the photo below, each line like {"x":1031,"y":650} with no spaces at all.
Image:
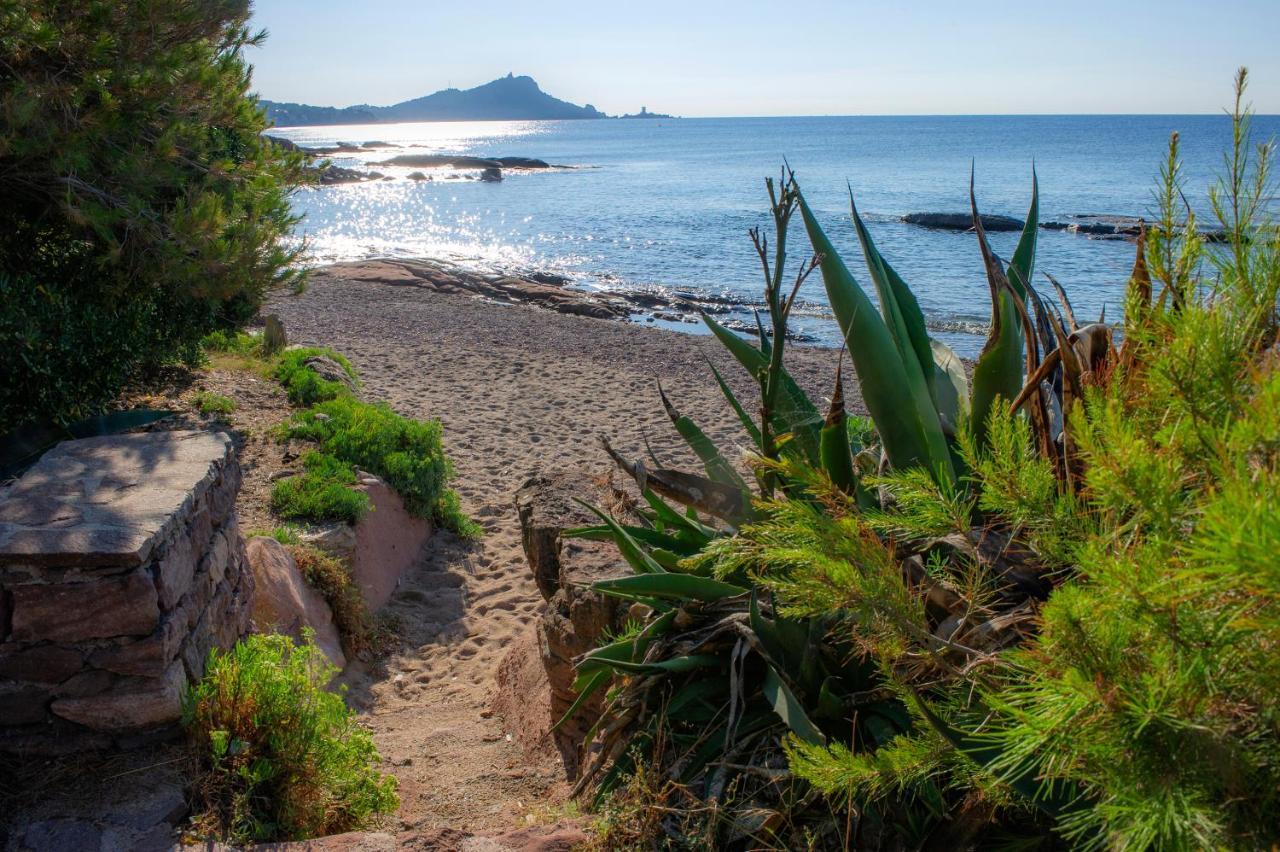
{"x":139,"y":206}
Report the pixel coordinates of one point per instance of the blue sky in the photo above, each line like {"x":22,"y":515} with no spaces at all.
{"x":800,"y":57}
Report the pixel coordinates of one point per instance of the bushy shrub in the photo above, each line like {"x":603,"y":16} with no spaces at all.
{"x":322,"y":492}
{"x":407,"y":453}
{"x":142,"y":208}
{"x":303,"y":384}
{"x":279,"y":756}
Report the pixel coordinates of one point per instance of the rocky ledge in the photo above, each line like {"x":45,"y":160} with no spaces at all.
{"x":539,"y":289}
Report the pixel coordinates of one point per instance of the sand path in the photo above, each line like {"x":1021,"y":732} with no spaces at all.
{"x":519,"y":390}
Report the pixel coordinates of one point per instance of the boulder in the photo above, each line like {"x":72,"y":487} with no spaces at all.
{"x":962,"y":221}
{"x":492,"y":174}
{"x":283,"y":602}
{"x":330,"y":370}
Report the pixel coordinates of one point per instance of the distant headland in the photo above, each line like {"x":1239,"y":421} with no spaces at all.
{"x":508,"y":98}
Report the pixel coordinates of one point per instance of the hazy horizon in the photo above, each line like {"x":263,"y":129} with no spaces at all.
{"x":714,"y":60}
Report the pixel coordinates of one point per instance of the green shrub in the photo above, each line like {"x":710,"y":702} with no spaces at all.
{"x":407,"y":453}
{"x":304,"y":385}
{"x":279,"y":757}
{"x":142,"y":208}
{"x":322,"y":492}
{"x":208,"y":402}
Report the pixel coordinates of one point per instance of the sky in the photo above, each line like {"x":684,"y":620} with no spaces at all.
{"x":798,"y":57}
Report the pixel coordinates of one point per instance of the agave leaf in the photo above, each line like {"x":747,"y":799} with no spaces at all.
{"x":747,"y":423}
{"x":1024,"y":256}
{"x":951,"y":385}
{"x":796,"y":413}
{"x":837,"y":456}
{"x":789,"y":709}
{"x":998,"y":372}
{"x":688,"y":523}
{"x":627,"y":546}
{"x":706,"y":495}
{"x":898,"y":305}
{"x":716,"y":466}
{"x":893,"y":388}
{"x":643,"y":535}
{"x":683,"y":663}
{"x":671,"y":586}
{"x":585,"y":689}
{"x":1067,"y":310}
{"x":632,"y":649}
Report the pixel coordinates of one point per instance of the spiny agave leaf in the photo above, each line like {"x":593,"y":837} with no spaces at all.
{"x":627,"y":546}
{"x":789,"y":709}
{"x":632,"y":649}
{"x":998,"y":372}
{"x":705,"y":495}
{"x":716,"y":466}
{"x":896,"y":395}
{"x":643,"y":535}
{"x":671,"y":586}
{"x":1053,"y":799}
{"x":951,"y":385}
{"x":837,"y":456}
{"x":585,"y":691}
{"x":1067,"y":310}
{"x":689,"y":523}
{"x":1024,"y":256}
{"x":901,"y":311}
{"x":795,"y":411}
{"x":747,"y":423}
{"x":695,"y":694}
{"x":683,"y":663}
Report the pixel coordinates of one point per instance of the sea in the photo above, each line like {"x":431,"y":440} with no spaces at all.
{"x":667,"y":204}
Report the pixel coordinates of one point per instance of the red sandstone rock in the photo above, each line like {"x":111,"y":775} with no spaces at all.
{"x":283,"y":602}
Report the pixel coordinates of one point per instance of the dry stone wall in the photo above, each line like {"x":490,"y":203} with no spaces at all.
{"x":121,"y":566}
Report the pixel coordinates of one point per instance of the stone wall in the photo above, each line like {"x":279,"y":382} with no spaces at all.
{"x":121,"y":566}
{"x":575,"y":619}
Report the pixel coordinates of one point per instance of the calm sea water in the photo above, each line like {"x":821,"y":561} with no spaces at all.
{"x":667,"y":203}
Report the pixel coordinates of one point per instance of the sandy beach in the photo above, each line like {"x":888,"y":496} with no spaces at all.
{"x":519,"y":390}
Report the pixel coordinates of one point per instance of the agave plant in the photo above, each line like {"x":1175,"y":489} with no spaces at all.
{"x":729,"y":677}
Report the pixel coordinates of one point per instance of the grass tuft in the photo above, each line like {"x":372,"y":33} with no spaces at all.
{"x":216,"y":404}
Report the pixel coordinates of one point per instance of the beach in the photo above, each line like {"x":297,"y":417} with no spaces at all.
{"x":520,"y":390}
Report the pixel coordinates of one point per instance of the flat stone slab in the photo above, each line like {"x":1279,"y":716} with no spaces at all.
{"x":107,"y":501}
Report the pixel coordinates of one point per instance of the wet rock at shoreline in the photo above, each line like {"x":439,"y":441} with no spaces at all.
{"x":963,"y":221}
